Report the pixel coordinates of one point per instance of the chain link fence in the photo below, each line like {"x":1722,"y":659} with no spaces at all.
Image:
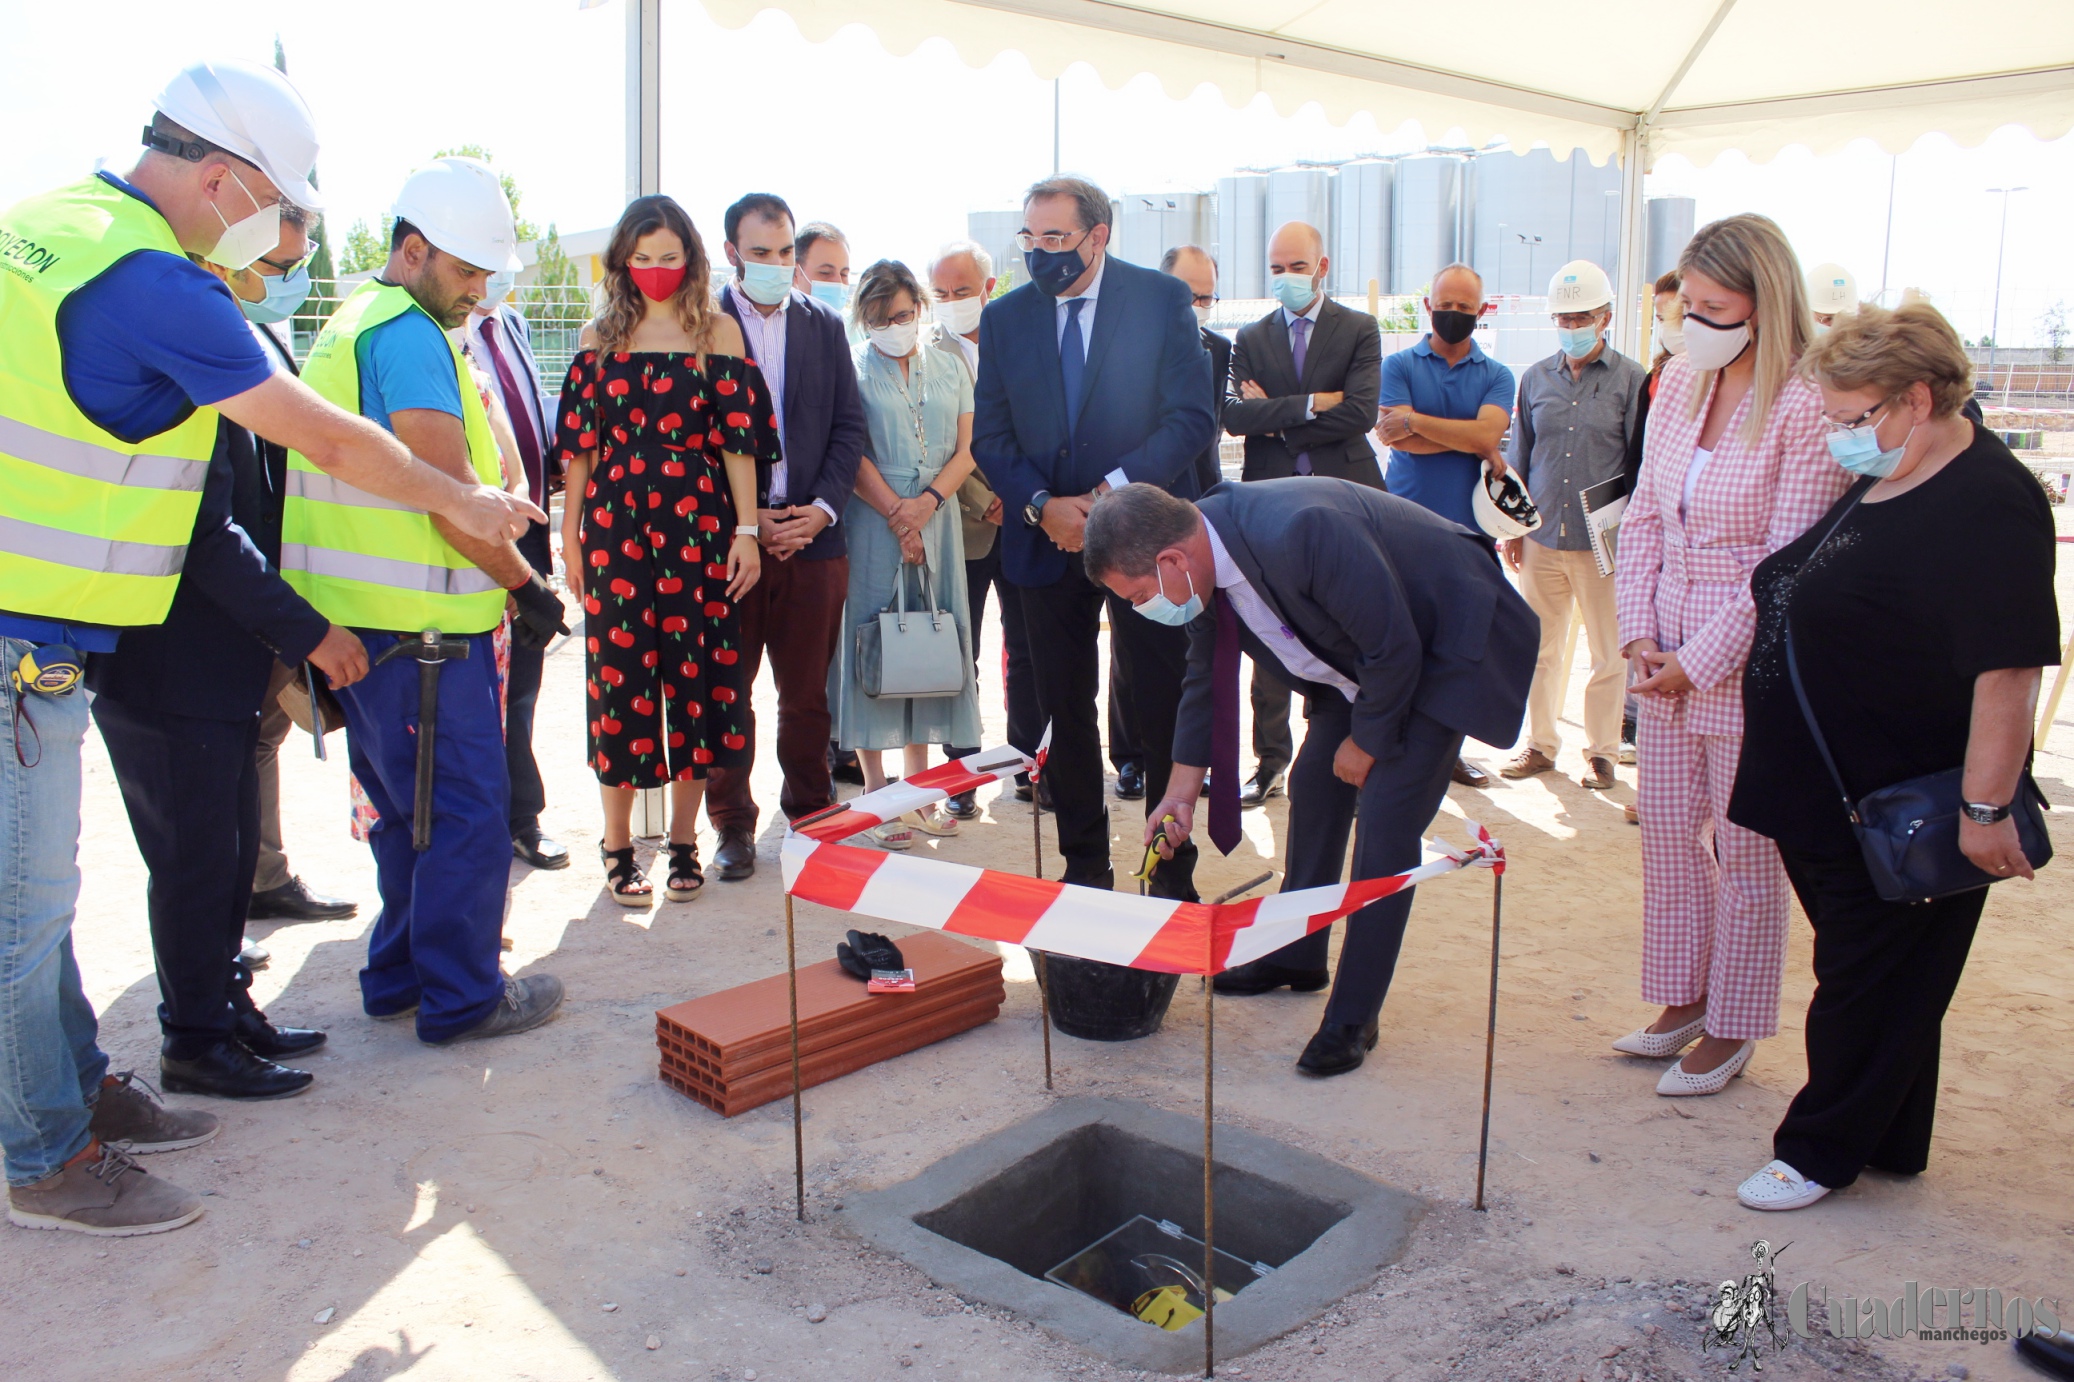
{"x":556,"y":313}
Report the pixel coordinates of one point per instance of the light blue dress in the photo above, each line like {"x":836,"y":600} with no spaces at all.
{"x":891,"y":406}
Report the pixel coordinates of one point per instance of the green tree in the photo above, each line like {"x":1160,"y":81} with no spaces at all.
{"x":2054,"y":325}
{"x":365,"y":250}
{"x":555,"y":299}
{"x":526,"y":229}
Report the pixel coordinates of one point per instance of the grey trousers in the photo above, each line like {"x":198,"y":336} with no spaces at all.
{"x":274,"y":725}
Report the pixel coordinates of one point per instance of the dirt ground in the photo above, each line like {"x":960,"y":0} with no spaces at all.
{"x":543,"y":1207}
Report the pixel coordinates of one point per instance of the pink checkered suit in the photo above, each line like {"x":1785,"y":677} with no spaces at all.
{"x":1713,"y":894}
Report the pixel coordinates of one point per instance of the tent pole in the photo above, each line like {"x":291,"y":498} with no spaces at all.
{"x":1631,"y":320}
{"x":644,"y":97}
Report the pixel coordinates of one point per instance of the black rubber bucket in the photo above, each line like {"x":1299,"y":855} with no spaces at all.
{"x":1104,"y":1002}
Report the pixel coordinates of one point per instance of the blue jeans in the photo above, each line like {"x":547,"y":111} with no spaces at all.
{"x":51,"y":1064}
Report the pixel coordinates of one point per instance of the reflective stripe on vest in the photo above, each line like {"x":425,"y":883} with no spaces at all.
{"x":93,"y":529}
{"x":369,"y":562}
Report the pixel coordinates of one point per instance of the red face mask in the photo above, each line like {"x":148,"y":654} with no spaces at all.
{"x":657,"y":283}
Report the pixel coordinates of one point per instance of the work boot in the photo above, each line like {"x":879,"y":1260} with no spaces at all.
{"x":125,"y":1113}
{"x":527,"y":1003}
{"x":103,"y":1192}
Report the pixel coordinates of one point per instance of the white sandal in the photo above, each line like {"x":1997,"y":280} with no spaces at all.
{"x":892,"y":834}
{"x":1778,"y":1186}
{"x":1657,"y":1045}
{"x":1680,"y":1083}
{"x":933,"y":820}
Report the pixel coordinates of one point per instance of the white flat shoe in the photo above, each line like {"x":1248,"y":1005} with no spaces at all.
{"x":1679,"y":1083}
{"x":1657,"y":1045}
{"x":1778,"y":1186}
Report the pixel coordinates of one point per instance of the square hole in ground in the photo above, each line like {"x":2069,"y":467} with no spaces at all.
{"x":989,"y":1221}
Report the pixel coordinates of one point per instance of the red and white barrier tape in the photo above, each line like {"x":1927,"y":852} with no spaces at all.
{"x":1118,"y":928}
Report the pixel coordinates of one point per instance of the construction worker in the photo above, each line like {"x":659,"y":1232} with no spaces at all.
{"x":388,"y":573}
{"x":117,"y":356}
{"x":1832,"y":293}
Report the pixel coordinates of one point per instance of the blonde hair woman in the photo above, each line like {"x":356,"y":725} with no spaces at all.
{"x":1734,"y":467}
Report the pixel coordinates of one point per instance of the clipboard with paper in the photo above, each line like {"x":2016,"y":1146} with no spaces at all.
{"x":1603,"y":504}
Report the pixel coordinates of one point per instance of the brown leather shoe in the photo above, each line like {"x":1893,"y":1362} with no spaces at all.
{"x":1600,"y":778}
{"x":1629,"y":812}
{"x":1530,"y":762}
{"x":735,"y":859}
{"x":1469,"y":775}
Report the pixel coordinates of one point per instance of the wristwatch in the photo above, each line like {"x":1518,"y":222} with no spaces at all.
{"x":1033,"y":512}
{"x":1982,"y":814}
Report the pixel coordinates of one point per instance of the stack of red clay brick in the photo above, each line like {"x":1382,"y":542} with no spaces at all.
{"x":732,"y":1050}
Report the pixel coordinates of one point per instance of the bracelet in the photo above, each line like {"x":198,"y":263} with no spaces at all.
{"x":746,"y":530}
{"x":931,"y":491}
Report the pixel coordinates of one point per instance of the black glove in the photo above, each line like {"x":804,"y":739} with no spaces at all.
{"x":539,"y":614}
{"x":865,"y":951}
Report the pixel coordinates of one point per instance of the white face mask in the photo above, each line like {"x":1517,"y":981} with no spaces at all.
{"x":897,"y":341}
{"x":1671,"y":336}
{"x":960,"y":316}
{"x":243,"y":241}
{"x":1202,"y":317}
{"x":1712,"y":347}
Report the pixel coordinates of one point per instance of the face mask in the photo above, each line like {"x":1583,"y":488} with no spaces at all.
{"x":244,"y":241}
{"x":1671,"y":336}
{"x":1453,"y":327}
{"x":1821,"y":328}
{"x":767,"y":284}
{"x":960,"y":316}
{"x":1202,"y":317}
{"x":285,"y":295}
{"x":1293,"y":291}
{"x":499,"y":287}
{"x":1053,"y":271}
{"x":1714,"y":347}
{"x":1858,"y":451}
{"x":1160,"y":610}
{"x":1577,"y":341}
{"x":835,"y":295}
{"x":659,"y":283}
{"x":897,"y":341}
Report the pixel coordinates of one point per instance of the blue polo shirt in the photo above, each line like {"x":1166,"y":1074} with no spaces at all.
{"x":406,"y":363}
{"x":1444,"y":480}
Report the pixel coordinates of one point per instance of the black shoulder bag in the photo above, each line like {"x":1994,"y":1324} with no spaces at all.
{"x":1909,"y":832}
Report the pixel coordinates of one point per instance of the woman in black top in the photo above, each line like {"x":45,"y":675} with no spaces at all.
{"x":1920,"y":629}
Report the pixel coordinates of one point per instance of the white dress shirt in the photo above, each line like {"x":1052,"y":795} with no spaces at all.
{"x":1268,"y":627}
{"x":764,"y":337}
{"x":1289,"y":319}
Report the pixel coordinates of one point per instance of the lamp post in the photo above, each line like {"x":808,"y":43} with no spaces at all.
{"x":1995,"y":313}
{"x":1530,"y":241}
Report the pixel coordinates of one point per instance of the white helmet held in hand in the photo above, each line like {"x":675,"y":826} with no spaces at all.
{"x":458,"y":205}
{"x":248,"y":110}
{"x":1501,"y":505}
{"x":1579,"y":286}
{"x":1832,"y":290}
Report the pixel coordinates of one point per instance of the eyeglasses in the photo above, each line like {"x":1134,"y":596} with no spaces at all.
{"x":309,"y":253}
{"x":1051,"y":241}
{"x":1573,"y":320}
{"x":1857,"y":422}
{"x":1206,"y":299}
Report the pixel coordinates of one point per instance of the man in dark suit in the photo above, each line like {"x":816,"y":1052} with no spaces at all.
{"x":1091,"y":376}
{"x":1403,"y":635}
{"x":794,"y":613}
{"x":1305,"y":379}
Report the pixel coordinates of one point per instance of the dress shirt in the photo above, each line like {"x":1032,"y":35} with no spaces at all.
{"x":1289,"y":320}
{"x":764,"y":338}
{"x":1572,"y":431}
{"x":970,"y":349}
{"x":1115,"y":479}
{"x":1267,"y":626}
{"x":498,"y":356}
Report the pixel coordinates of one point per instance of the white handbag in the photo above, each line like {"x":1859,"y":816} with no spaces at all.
{"x":912,"y":653}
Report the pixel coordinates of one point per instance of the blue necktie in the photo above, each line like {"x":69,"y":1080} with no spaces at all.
{"x":1072,"y":361}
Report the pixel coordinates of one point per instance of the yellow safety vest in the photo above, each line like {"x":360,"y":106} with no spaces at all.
{"x":93,"y":529}
{"x":368,"y":562}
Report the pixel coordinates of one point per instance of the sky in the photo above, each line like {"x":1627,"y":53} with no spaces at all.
{"x":897,"y":149}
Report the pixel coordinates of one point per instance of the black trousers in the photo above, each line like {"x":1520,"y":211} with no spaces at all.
{"x":1395,"y":807}
{"x":1273,"y":744}
{"x":1064,"y":618}
{"x":1884,"y":975}
{"x":1119,"y":714}
{"x":528,"y":793}
{"x":1018,"y":678}
{"x":191,"y":787}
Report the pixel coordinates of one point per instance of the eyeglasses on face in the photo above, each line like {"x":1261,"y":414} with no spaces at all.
{"x":1853,"y":424}
{"x":1051,"y":241}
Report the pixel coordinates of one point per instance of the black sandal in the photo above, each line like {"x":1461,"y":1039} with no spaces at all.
{"x":684,"y":863}
{"x":623,"y":877}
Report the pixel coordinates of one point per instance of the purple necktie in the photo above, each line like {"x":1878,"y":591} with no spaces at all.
{"x":1224,"y":731}
{"x":1299,"y":346}
{"x":520,"y":407}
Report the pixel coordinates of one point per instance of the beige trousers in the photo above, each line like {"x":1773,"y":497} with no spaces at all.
{"x":1554,"y":583}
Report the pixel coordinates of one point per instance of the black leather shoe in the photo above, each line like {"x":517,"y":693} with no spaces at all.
{"x":228,"y":1071}
{"x":963,"y":806}
{"x":1259,"y":976}
{"x":736,"y":857}
{"x":293,"y":901}
{"x":1130,"y":782}
{"x":1024,"y":791}
{"x":1042,"y":794}
{"x":2049,"y":1353}
{"x":262,"y":1038}
{"x":844,"y":767}
{"x":539,"y":851}
{"x":1256,"y":792}
{"x":1339,"y":1047}
{"x":1469,"y":775}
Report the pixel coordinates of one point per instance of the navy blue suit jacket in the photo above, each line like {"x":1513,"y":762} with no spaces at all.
{"x":1145,"y":410}
{"x":824,"y":416}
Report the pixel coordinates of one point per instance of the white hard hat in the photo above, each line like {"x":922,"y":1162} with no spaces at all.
{"x":1500,"y":503}
{"x":458,"y":204}
{"x":1831,"y":289}
{"x":253,"y":112}
{"x":1579,"y":286}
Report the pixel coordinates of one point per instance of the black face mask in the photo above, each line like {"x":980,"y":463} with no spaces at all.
{"x":1454,"y":327}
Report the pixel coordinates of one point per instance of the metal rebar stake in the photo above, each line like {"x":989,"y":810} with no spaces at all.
{"x":799,"y":1146}
{"x":1490,"y":1039}
{"x":1043,"y":973}
{"x":1209,"y":1162}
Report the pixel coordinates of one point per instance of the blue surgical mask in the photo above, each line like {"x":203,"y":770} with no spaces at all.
{"x":1858,"y":451}
{"x":285,"y":295}
{"x":498,"y":287}
{"x":1160,"y":610}
{"x":836,"y":295}
{"x":1293,"y":291}
{"x":767,"y":284}
{"x":1053,"y":271}
{"x":1577,"y":341}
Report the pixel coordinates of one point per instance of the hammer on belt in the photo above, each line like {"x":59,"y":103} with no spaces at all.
{"x":430,"y":649}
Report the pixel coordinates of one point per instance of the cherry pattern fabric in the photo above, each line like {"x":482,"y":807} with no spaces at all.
{"x":663,"y":655}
